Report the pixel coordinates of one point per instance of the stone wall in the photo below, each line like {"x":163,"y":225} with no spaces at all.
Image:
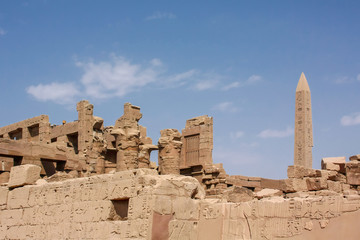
{"x":140,"y":204}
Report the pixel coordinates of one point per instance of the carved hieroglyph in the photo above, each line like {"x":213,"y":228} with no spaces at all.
{"x":303,"y":125}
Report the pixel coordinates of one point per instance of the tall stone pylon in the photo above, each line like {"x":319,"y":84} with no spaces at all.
{"x":303,"y":125}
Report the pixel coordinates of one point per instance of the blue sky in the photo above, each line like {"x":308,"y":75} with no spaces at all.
{"x":237,"y":61}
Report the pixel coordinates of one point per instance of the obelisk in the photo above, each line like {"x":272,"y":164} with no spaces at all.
{"x":303,"y":125}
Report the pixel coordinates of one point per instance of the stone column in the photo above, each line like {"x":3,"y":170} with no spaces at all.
{"x":128,"y":138}
{"x":169,"y":151}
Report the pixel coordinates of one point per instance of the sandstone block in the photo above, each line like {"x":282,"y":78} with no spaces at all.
{"x":18,"y":198}
{"x":293,"y":185}
{"x":334,"y":186}
{"x":315,"y":184}
{"x":238,"y":194}
{"x":355,"y":157}
{"x":3,"y":195}
{"x":332,"y":163}
{"x":186,"y":208}
{"x":4,"y":177}
{"x":163,"y":205}
{"x":24,"y":175}
{"x":301,"y":172}
{"x":267,"y":192}
{"x":353,"y":173}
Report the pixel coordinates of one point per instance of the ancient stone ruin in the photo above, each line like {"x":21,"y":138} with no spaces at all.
{"x":84,"y":180}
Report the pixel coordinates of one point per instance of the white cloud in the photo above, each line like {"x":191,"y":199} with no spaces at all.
{"x":251,"y":80}
{"x":205,"y":84}
{"x":182,"y":76}
{"x":232,"y":85}
{"x":161,"y":15}
{"x":237,"y":134}
{"x":349,"y":120}
{"x":62,"y":93}
{"x":2,"y":32}
{"x":156,"y":62}
{"x":117,"y":77}
{"x":270,"y":133}
{"x":225,"y":107}
{"x":343,"y":80}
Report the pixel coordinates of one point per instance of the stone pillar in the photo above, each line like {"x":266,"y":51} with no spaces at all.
{"x":127,"y":135}
{"x":44,"y":129}
{"x":85,"y":118}
{"x":145,"y":148}
{"x":303,"y":125}
{"x":169,"y":151}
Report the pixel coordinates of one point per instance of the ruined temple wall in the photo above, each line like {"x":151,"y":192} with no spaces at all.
{"x":32,"y":129}
{"x":197,"y":138}
{"x":139,"y":204}
{"x":125,"y":205}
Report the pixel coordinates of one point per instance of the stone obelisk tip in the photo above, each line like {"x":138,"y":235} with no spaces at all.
{"x":303,"y":84}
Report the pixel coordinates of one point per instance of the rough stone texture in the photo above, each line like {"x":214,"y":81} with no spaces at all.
{"x":353,"y":173}
{"x":197,"y":138}
{"x":169,"y":151}
{"x":333,"y":163}
{"x":4,"y":177}
{"x":132,"y":145}
{"x":23,"y":175}
{"x":301,"y":172}
{"x":267,"y":192}
{"x":355,"y":157}
{"x":303,"y":125}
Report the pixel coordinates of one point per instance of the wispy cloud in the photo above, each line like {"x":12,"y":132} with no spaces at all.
{"x":225,"y":107}
{"x":271,"y":133}
{"x":62,"y":93}
{"x":253,"y":79}
{"x":161,"y":15}
{"x":205,"y":85}
{"x":343,"y":80}
{"x":118,"y":77}
{"x":358,"y":77}
{"x":237,"y":134}
{"x":2,"y":32}
{"x":350,"y":120}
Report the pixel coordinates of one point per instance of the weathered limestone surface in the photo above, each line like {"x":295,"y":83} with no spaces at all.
{"x":32,"y":129}
{"x":197,"y":138}
{"x":24,"y":175}
{"x":109,"y":206}
{"x":303,"y":125}
{"x":332,"y":163}
{"x":353,"y":173}
{"x":169,"y":151}
{"x":140,"y":204}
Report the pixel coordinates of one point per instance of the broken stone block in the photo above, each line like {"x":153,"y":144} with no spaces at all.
{"x":24,"y":175}
{"x":355,"y":158}
{"x":353,"y":173}
{"x":332,"y":163}
{"x":267,"y":192}
{"x":301,"y":172}
{"x":238,"y":194}
{"x":315,"y":184}
{"x":293,"y":185}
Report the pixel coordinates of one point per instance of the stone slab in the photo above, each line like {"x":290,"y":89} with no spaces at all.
{"x":24,"y":175}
